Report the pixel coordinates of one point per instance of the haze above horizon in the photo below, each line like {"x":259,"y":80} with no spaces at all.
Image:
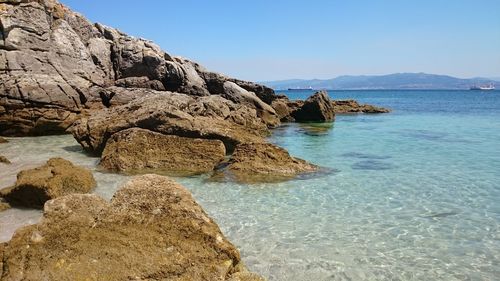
{"x":277,"y":40}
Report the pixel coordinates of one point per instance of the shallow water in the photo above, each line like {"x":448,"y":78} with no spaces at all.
{"x":415,"y":195}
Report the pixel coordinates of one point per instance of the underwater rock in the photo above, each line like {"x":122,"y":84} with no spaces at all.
{"x":4,"y":160}
{"x":58,"y":177}
{"x":151,"y":230}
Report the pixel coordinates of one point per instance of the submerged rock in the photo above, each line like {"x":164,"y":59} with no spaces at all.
{"x":3,"y":206}
{"x":264,"y":162}
{"x":58,"y":177}
{"x":317,"y":107}
{"x":352,"y":106}
{"x":151,"y":230}
{"x":211,"y":117}
{"x":2,"y":140}
{"x":137,"y":150}
{"x":4,"y":160}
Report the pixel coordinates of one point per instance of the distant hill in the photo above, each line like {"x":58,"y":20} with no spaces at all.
{"x":392,"y":81}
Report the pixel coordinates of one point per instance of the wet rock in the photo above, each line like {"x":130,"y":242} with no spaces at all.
{"x":352,"y":106}
{"x":58,"y":177}
{"x":317,"y":107}
{"x":139,"y":150}
{"x":263,"y":162}
{"x":3,"y":206}
{"x":2,"y":140}
{"x":151,"y":230}
{"x":210,"y":117}
{"x":4,"y":160}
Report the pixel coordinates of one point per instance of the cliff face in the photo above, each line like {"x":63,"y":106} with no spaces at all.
{"x":55,"y":64}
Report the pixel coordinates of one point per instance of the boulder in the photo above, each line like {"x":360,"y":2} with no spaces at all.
{"x":263,"y":162}
{"x":58,"y":177}
{"x":352,"y":106}
{"x":317,"y":107}
{"x":139,"y":150}
{"x":4,"y":160}
{"x":2,"y":140}
{"x":210,"y":117}
{"x":3,"y":206}
{"x":151,"y":230}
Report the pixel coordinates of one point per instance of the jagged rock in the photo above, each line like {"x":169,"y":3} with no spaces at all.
{"x":58,"y":177}
{"x":114,"y":96}
{"x":139,"y":150}
{"x":151,"y":230}
{"x":237,"y":94}
{"x":2,"y":140}
{"x":352,"y":106}
{"x":263,"y":162}
{"x":317,"y":107}
{"x":4,"y":160}
{"x":55,"y":64}
{"x":210,"y":117}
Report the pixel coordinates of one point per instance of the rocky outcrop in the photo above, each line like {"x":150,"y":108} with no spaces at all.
{"x":139,"y":150}
{"x":352,"y":106}
{"x":210,"y":117}
{"x":263,"y":162}
{"x":58,"y":177}
{"x":151,"y":230}
{"x":55,"y":64}
{"x":4,"y":160}
{"x":317,"y":107}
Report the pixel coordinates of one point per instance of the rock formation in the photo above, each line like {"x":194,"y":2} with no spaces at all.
{"x":209,"y":117}
{"x":2,"y":140}
{"x":55,"y":64}
{"x":263,"y":162}
{"x":3,"y":206}
{"x":151,"y":230}
{"x":143,"y":150}
{"x":58,"y":177}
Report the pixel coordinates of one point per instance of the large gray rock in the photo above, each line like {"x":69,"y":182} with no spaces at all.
{"x":210,"y":117}
{"x":317,"y":107}
{"x":55,"y":64}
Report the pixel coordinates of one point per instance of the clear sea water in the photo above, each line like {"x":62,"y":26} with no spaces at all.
{"x":415,"y":195}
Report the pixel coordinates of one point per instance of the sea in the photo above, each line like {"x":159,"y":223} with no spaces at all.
{"x":409,"y":195}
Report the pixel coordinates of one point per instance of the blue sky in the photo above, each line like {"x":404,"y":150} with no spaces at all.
{"x":278,"y":39}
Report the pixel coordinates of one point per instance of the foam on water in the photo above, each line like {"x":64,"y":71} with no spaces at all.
{"x":415,"y":195}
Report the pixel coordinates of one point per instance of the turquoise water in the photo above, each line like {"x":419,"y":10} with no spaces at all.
{"x":415,"y":194}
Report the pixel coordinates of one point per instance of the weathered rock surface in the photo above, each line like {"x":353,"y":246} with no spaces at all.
{"x":3,"y":206}
{"x":210,"y":117}
{"x":317,"y":107}
{"x":263,"y":162}
{"x":139,"y":150}
{"x":2,"y":140}
{"x":58,"y":177}
{"x":54,"y":64}
{"x":352,"y":106}
{"x":4,"y":160}
{"x":151,"y":230}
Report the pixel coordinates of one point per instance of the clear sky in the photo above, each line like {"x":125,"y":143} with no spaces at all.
{"x":281,"y":39}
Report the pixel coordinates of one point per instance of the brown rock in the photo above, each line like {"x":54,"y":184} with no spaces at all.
{"x":210,"y":117}
{"x":58,"y":177}
{"x":263,"y":162}
{"x":3,"y":206}
{"x":2,"y":140}
{"x":317,"y":107}
{"x":139,"y":150}
{"x":352,"y":106}
{"x":151,"y":230}
{"x":4,"y":160}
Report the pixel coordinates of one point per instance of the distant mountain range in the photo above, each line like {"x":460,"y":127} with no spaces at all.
{"x":395,"y":81}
